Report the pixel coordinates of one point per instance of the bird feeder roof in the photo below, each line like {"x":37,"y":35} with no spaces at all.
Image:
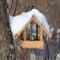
{"x":17,"y":23}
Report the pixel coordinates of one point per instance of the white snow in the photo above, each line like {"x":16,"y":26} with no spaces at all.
{"x":11,"y":46}
{"x":58,"y":56}
{"x":18,"y":22}
{"x":58,"y":30}
{"x":52,"y":29}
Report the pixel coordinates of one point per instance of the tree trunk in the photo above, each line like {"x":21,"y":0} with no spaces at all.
{"x":6,"y":39}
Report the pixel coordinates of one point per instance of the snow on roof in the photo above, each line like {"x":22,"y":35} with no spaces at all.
{"x":19,"y":21}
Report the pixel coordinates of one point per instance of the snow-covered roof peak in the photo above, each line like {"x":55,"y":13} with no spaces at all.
{"x":19,"y":21}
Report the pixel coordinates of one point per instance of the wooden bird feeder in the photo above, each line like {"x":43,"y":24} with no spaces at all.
{"x":37,"y":41}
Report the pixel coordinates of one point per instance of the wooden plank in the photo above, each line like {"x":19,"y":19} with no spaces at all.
{"x":46,"y":31}
{"x":33,"y":44}
{"x":41,"y":33}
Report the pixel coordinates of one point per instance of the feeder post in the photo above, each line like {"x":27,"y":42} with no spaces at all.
{"x":41,"y":33}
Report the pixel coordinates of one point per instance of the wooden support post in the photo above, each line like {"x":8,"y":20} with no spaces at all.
{"x":41,"y":33}
{"x":24,"y":33}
